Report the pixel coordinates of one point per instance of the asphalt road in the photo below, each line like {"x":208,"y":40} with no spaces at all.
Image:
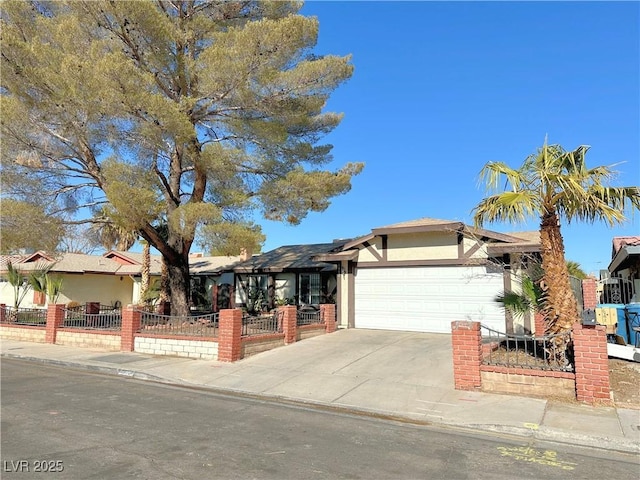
{"x":68,"y":424}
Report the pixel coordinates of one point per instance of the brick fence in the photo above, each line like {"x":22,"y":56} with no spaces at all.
{"x":589,"y":383}
{"x":228,"y":345}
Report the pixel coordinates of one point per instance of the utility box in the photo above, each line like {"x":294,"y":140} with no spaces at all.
{"x":609,"y":317}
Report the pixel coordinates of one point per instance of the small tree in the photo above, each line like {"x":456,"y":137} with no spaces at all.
{"x":19,"y":282}
{"x":54,"y":288}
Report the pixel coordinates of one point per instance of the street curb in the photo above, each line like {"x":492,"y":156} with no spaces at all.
{"x":542,"y":433}
{"x":121,"y":372}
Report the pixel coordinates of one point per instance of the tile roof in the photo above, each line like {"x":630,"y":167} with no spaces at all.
{"x":107,"y":263}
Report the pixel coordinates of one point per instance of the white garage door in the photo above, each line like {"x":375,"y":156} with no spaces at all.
{"x":427,"y":299}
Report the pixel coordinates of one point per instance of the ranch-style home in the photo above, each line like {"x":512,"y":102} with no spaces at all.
{"x":287,"y":275}
{"x":112,"y":279}
{"x":417,"y":276}
{"x":423,"y":274}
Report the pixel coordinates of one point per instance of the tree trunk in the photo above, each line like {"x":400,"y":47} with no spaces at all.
{"x":146,"y":266}
{"x":561,"y":308}
{"x":179,"y":286}
{"x":165,"y":289}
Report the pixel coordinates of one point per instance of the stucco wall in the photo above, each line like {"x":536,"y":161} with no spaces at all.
{"x":105,"y":289}
{"x":369,"y":254}
{"x":81,"y":288}
{"x":422,"y":246}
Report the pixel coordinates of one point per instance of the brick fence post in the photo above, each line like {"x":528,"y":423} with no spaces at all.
{"x":289,"y":317}
{"x":131,"y":318}
{"x":589,"y":293}
{"x":467,"y":355}
{"x":55,"y":320}
{"x":539,"y":324}
{"x":328,"y":316}
{"x":230,"y":335}
{"x":591,"y":364}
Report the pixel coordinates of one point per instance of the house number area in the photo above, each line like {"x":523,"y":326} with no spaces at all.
{"x":32,"y":466}
{"x":528,"y":454}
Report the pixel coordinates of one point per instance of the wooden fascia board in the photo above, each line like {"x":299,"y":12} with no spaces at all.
{"x":513,"y":248}
{"x":35,"y":257}
{"x":441,"y":227}
{"x":336,"y":257}
{"x":481,"y":232}
{"x":358,"y":241}
{"x":112,"y":254}
{"x":426,"y":263}
{"x":371,"y":249}
{"x":259,"y":271}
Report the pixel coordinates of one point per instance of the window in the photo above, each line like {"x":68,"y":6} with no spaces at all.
{"x":257,"y":294}
{"x":309,"y":288}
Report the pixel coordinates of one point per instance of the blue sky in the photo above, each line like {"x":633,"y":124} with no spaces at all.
{"x":441,"y":88}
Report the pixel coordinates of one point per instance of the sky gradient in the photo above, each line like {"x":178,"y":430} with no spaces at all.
{"x":442,"y":88}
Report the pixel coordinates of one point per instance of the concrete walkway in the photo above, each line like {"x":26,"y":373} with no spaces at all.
{"x":403,"y":375}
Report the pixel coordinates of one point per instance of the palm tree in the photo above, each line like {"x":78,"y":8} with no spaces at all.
{"x":111,"y":235}
{"x":575,"y":270}
{"x":554,"y":184}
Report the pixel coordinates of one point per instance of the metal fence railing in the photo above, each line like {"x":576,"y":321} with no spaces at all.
{"x":615,"y":290}
{"x":189,"y":325}
{"x":24,"y":316}
{"x":77,"y":318}
{"x":548,"y":352}
{"x":309,"y":317}
{"x":262,"y":324}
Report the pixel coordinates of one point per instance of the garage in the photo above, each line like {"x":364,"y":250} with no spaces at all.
{"x":427,"y":299}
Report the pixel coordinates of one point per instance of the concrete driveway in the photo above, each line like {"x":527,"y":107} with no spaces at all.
{"x":367,"y":355}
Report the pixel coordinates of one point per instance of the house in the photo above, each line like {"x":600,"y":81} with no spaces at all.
{"x":110,"y":279}
{"x":285,"y":275}
{"x":421,"y":275}
{"x":620,"y":283}
{"x":417,"y":276}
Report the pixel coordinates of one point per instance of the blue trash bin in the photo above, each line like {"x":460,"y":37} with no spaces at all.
{"x":633,"y":323}
{"x":621,"y":329}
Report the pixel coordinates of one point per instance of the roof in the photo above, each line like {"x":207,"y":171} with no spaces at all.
{"x":113,"y":263}
{"x":426,"y":224}
{"x":625,"y":253}
{"x":202,"y":265}
{"x":291,"y":258}
{"x":68,"y":263}
{"x":418,"y":225}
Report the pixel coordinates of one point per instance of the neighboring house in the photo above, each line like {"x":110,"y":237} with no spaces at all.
{"x":423,"y":274}
{"x":286,"y":275}
{"x":110,"y":279}
{"x":620,"y":283}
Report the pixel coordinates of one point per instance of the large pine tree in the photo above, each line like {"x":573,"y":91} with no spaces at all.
{"x":191,"y":114}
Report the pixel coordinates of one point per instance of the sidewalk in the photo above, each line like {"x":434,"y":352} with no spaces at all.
{"x":369,"y":372}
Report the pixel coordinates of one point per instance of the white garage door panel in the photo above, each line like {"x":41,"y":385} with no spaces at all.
{"x":426,"y":299}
